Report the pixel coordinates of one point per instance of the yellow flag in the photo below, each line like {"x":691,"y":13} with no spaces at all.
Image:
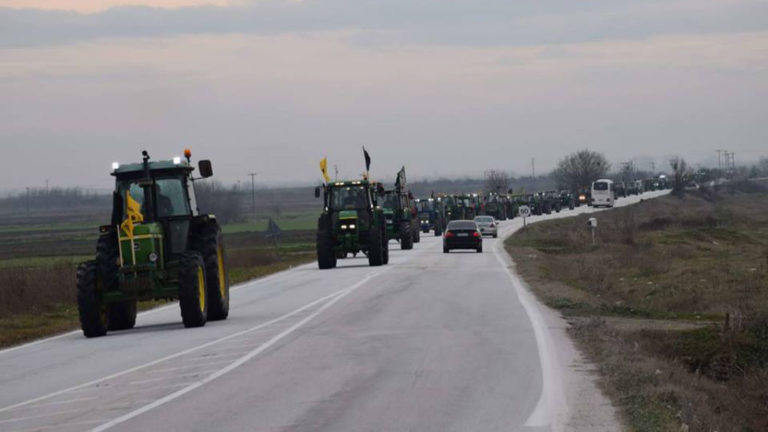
{"x":324,"y":169}
{"x":132,"y":215}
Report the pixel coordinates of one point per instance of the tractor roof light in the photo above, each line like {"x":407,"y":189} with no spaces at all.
{"x":115,"y":166}
{"x":176,"y":160}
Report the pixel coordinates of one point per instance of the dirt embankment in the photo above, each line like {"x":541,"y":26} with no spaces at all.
{"x":671,"y":304}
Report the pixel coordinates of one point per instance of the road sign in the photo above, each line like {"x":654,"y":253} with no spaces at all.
{"x":524,"y":211}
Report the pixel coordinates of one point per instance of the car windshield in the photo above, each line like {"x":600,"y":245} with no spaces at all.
{"x":462,"y":225}
{"x":600,"y":186}
{"x":171,"y":199}
{"x":348,"y":198}
{"x":484,"y":219}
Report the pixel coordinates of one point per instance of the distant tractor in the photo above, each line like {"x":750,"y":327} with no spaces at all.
{"x":431,"y":214}
{"x":351,"y":222}
{"x":158,"y":246}
{"x":400,"y":219}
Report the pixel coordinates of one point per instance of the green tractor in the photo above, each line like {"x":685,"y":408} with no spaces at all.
{"x":351,"y":222}
{"x":401,"y":224}
{"x":158,"y":246}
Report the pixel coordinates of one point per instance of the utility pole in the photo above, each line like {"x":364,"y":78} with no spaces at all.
{"x":27,"y":201}
{"x":719,"y":163}
{"x":47,"y":190}
{"x":533,"y":167}
{"x":653,"y":168}
{"x":336,"y":172}
{"x":253,"y":193}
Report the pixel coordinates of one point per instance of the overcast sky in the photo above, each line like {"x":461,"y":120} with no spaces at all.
{"x":444,"y":87}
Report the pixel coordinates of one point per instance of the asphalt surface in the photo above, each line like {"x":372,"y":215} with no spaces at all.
{"x":431,"y":342}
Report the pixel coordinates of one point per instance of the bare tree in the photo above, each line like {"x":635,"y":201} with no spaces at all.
{"x":496,"y":181}
{"x":213,"y":197}
{"x":680,"y":173}
{"x":578,"y":170}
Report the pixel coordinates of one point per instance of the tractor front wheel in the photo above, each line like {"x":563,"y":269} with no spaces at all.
{"x":210,"y":244}
{"x":406,"y":236}
{"x":122,"y":315}
{"x":193,"y":295}
{"x":438,"y":229}
{"x":93,"y":313}
{"x":375,"y":248}
{"x":326,"y":258}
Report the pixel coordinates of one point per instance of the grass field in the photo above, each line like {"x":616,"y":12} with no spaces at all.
{"x":671,"y":304}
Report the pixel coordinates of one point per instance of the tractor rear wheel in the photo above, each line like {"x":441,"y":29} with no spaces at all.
{"x":385,"y":244}
{"x":438,"y":229}
{"x":406,"y":236}
{"x":375,"y":248}
{"x":93,"y":313}
{"x":122,"y":315}
{"x":209,"y":242}
{"x":193,"y":295}
{"x":326,"y":258}
{"x":416,"y":235}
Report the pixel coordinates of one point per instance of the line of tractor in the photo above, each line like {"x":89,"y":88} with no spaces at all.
{"x":158,"y":244}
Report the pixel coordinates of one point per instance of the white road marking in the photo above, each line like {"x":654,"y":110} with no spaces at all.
{"x":173,"y":356}
{"x":263,"y":347}
{"x":187,"y":375}
{"x":188,"y":366}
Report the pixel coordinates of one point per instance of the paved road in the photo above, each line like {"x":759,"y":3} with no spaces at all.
{"x":431,"y":342}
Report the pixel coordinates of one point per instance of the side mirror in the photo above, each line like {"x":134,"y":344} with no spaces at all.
{"x":317,"y":192}
{"x":206,"y":170}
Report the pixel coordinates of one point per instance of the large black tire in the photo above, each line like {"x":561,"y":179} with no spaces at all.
{"x":209,"y":242}
{"x":480,"y":248}
{"x":416,"y":234}
{"x":93,"y":313}
{"x":438,"y":228}
{"x":121,"y":316}
{"x":406,"y":236}
{"x":375,"y":248}
{"x":193,"y":294}
{"x":385,"y":244}
{"x":326,"y":258}
{"x":446,"y":250}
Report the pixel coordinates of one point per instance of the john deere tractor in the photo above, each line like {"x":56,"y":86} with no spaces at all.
{"x":351,"y":222}
{"x":400,"y":218}
{"x":157,"y":246}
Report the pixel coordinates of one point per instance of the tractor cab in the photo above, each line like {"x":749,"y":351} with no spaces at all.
{"x":164,"y":193}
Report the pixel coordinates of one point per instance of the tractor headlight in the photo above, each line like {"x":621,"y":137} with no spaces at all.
{"x":152,"y":257}
{"x":343,"y":227}
{"x":352,"y":226}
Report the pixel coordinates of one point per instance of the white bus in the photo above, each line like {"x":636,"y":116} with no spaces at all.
{"x":602,"y":193}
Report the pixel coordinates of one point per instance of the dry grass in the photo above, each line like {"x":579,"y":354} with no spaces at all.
{"x":700,"y":258}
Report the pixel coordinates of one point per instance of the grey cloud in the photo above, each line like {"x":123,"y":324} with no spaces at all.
{"x":461,"y":22}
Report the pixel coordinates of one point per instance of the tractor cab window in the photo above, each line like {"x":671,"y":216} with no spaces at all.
{"x":171,"y":198}
{"x":425,"y":206}
{"x":349,"y":198}
{"x":170,"y":193}
{"x":391,"y":201}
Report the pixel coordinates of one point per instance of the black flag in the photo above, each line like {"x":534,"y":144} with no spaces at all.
{"x":400,"y":182}
{"x":367,"y":159}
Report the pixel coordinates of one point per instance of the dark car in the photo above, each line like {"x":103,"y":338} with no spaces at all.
{"x":462,"y":234}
